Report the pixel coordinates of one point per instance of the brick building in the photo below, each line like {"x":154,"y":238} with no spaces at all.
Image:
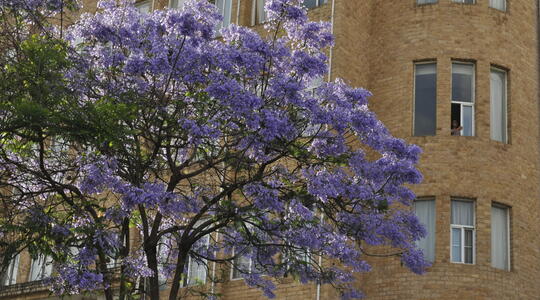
{"x":429,"y":63}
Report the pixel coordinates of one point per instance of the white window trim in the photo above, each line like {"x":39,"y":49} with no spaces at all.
{"x":462,"y":228}
{"x":493,"y":68}
{"x":463,"y":103}
{"x":414,"y":94}
{"x":508,"y":248}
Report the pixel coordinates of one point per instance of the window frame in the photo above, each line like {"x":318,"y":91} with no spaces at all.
{"x":44,"y":270}
{"x":255,"y":18}
{"x":318,"y":3}
{"x":504,"y":71}
{"x":463,"y":1}
{"x":508,"y":237}
{"x":426,"y":3}
{"x":461,"y":104}
{"x":139,"y":4}
{"x":186,"y":282}
{"x":170,"y":5}
{"x":250,"y":268}
{"x":462,"y":229}
{"x":417,"y":63}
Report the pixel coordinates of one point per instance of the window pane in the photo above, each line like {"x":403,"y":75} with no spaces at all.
{"x":197,"y":272}
{"x":499,"y":237}
{"x":310,"y":3}
{"x":462,"y":213}
{"x":241,"y":266}
{"x":10,"y":277}
{"x":177,"y":4}
{"x":498,"y":4}
{"x":462,"y":82}
{"x":259,"y":13}
{"x":467,"y":120}
{"x":425,"y":99}
{"x":425,"y":211}
{"x":426,"y":1}
{"x":468,"y":246}
{"x":456,"y":245}
{"x":144,"y":7}
{"x":498,"y":106}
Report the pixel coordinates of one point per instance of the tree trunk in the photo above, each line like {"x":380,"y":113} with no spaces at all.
{"x":179,"y":271}
{"x":153,"y":265}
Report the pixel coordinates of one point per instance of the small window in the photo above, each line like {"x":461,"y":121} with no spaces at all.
{"x":464,"y":1}
{"x":462,"y":118}
{"x":500,"y":237}
{"x":425,"y":212}
{"x":498,"y":4}
{"x":40,"y":268}
{"x":177,"y":4}
{"x":242,"y":265}
{"x":425,"y":99}
{"x":10,"y":277}
{"x":258,"y":14}
{"x":314,"y":3}
{"x":498,"y":106}
{"x":425,"y":1}
{"x":462,"y":231}
{"x":144,"y":6}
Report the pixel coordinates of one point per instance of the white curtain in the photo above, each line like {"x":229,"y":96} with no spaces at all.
{"x":41,"y":268}
{"x":498,"y":106}
{"x":259,"y":15}
{"x":425,"y":211}
{"x":498,"y":4}
{"x":11,"y":273}
{"x":462,"y":212}
{"x":499,"y":237}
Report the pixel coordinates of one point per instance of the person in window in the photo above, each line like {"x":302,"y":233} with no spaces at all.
{"x":456,"y":129}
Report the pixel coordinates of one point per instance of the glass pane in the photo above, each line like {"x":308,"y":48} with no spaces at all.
{"x":455,"y":120}
{"x":197,"y":272}
{"x":468,"y":246}
{"x":462,"y":212}
{"x":310,"y":3}
{"x":426,"y":1}
{"x":499,"y":237}
{"x":241,"y":266}
{"x":425,"y":99}
{"x":177,"y":4}
{"x":144,"y":7}
{"x":498,"y":106}
{"x":456,"y":245}
{"x":462,"y":82}
{"x":467,"y":120}
{"x":498,"y":4}
{"x":425,"y":211}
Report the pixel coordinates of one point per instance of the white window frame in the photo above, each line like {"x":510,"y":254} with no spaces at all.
{"x":44,"y":263}
{"x":464,"y":103}
{"x":504,"y":8}
{"x":11,"y":273}
{"x":508,"y":248}
{"x":462,"y":228}
{"x":505,"y":102}
{"x":414,"y":95}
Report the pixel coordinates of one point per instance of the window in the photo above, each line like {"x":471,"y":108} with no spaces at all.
{"x":314,"y":3}
{"x":500,"y":237}
{"x":462,"y":119}
{"x":241,"y":266}
{"x":425,"y":1}
{"x":464,"y":1}
{"x":258,"y":15}
{"x":10,"y":277}
{"x":144,"y":6}
{"x":40,"y":268}
{"x":498,"y":115}
{"x":498,"y":4}
{"x":197,"y":269}
{"x":425,"y":99}
{"x":176,"y":4}
{"x":224,"y":7}
{"x":425,"y":211}
{"x":462,"y":235}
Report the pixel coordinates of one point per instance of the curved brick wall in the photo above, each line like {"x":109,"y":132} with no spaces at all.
{"x":392,"y":36}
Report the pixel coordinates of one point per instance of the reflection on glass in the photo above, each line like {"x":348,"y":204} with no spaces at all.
{"x":456,"y":245}
{"x":467,"y":121}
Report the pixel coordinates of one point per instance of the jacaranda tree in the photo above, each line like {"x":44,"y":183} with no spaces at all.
{"x":156,"y":141}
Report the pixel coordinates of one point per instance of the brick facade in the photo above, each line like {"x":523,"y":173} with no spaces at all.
{"x":377,"y":43}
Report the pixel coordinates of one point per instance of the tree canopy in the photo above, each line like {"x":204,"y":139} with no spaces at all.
{"x":158,"y":141}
